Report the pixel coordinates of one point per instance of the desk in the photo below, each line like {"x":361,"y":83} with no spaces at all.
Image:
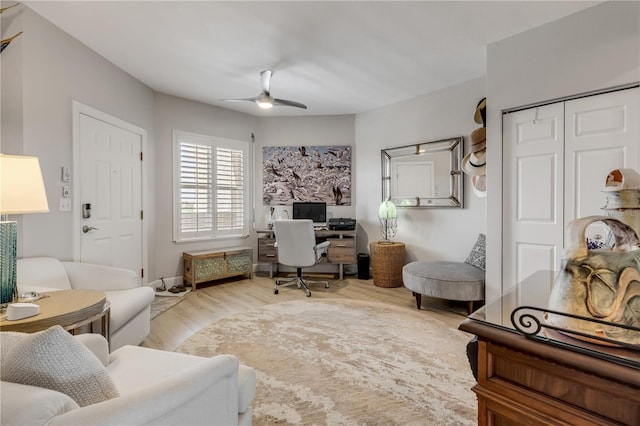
{"x":550,"y":378}
{"x":342,"y":248}
{"x":70,"y":309}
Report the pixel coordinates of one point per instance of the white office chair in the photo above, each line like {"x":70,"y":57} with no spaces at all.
{"x":296,"y":244}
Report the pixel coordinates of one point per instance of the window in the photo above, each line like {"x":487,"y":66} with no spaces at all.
{"x":211,"y":196}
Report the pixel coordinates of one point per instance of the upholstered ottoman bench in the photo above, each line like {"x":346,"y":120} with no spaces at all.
{"x":444,"y":280}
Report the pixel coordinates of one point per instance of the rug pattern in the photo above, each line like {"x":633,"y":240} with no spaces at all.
{"x":347,"y":362}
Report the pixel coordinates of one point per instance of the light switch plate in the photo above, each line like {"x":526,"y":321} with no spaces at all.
{"x":65,"y":204}
{"x":66,"y":174}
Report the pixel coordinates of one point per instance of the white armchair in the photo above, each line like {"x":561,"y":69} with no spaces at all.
{"x":155,"y":387}
{"x":130,"y":320}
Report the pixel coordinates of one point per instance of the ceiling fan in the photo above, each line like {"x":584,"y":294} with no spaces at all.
{"x":264,"y":99}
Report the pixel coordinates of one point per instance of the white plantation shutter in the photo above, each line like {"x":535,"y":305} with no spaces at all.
{"x":229,"y":191}
{"x":211,"y":187}
{"x":196,"y":199}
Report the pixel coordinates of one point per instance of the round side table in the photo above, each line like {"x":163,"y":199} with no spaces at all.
{"x":387,"y":260}
{"x":70,"y":309}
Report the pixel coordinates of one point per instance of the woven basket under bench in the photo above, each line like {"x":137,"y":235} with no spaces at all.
{"x":209,"y":265}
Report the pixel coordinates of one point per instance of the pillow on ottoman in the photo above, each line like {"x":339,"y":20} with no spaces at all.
{"x":477,"y":257}
{"x":53,"y":359}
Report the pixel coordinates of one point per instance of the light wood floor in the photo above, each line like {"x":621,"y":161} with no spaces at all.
{"x":215,"y":301}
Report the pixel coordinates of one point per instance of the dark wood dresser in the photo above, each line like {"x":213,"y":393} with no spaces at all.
{"x":551,"y":379}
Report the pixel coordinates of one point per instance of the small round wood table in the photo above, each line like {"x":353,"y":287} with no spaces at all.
{"x":70,"y":309}
{"x":387,"y":260}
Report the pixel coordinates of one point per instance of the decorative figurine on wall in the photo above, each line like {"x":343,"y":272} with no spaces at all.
{"x":4,"y":43}
{"x":2,"y":9}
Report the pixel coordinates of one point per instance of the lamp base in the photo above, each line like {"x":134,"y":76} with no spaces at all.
{"x":8,"y":243}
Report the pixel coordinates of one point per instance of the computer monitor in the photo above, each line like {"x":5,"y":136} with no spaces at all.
{"x":311,"y":210}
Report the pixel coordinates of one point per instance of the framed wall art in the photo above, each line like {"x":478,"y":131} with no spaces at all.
{"x":306,"y":173}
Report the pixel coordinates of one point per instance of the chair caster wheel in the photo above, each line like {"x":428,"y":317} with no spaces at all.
{"x":275,"y":291}
{"x":326,"y":286}
{"x":309,"y":294}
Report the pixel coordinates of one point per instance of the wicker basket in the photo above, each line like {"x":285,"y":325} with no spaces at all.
{"x":387,"y":260}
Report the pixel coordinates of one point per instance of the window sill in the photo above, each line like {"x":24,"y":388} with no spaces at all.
{"x":220,"y":238}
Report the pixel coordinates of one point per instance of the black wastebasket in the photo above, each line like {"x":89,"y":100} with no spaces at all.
{"x":363,"y":266}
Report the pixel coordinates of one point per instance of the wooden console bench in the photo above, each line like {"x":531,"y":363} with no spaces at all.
{"x":209,"y":265}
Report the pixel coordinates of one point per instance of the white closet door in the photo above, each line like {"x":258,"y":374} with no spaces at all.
{"x":533,"y":201}
{"x":601,"y":135}
{"x":556,"y":159}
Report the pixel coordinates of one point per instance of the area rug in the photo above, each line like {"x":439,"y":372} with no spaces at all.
{"x":347,"y":362}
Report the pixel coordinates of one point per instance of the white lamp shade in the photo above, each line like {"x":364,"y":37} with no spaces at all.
{"x":387,"y":210}
{"x":21,"y":185}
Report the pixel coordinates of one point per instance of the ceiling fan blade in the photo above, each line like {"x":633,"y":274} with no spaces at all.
{"x":289,"y":103}
{"x":239,"y":100}
{"x":265,"y":80}
{"x":264,"y":99}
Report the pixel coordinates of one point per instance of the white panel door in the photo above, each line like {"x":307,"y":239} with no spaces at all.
{"x":110,"y":182}
{"x":533,"y":198}
{"x":601,"y":135}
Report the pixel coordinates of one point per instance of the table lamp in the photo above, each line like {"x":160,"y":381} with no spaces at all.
{"x":21,"y":191}
{"x":387,"y":214}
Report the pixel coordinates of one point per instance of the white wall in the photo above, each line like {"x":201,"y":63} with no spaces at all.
{"x":172,"y":113}
{"x":11,"y":84}
{"x":57,"y":69}
{"x":429,"y":234}
{"x":593,"y":49}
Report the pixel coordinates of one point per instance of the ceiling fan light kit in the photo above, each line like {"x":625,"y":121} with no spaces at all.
{"x":265,"y":100}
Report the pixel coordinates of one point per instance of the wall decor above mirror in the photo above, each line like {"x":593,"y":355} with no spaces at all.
{"x":424,"y":175}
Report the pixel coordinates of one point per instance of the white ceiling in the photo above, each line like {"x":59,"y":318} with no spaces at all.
{"x":335,"y":57}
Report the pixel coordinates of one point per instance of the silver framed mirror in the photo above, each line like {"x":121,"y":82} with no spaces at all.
{"x":424,"y":175}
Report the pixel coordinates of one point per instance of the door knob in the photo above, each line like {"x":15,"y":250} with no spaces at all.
{"x":86,"y":229}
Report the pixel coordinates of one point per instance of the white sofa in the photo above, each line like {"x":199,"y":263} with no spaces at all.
{"x":155,"y":388}
{"x":130,"y":321}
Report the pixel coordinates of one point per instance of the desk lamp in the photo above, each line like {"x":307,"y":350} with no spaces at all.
{"x":387,"y":214}
{"x":21,"y":191}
